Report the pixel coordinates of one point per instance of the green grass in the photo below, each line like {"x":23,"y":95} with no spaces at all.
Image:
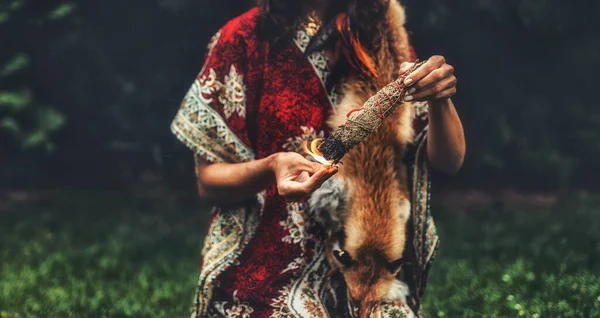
{"x":511,"y":262}
{"x":86,"y":254}
{"x":99,"y":255}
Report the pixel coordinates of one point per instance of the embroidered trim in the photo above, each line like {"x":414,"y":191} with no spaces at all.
{"x":297,"y":224}
{"x":203,"y":130}
{"x":393,"y":310}
{"x":213,"y":41}
{"x":419,"y":137}
{"x":237,"y":309}
{"x":303,"y":297}
{"x":319,"y":60}
{"x":228,"y":235}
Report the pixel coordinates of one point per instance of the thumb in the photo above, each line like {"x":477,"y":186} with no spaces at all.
{"x":317,"y":179}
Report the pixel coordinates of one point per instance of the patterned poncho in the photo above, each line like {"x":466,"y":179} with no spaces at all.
{"x":265,"y":258}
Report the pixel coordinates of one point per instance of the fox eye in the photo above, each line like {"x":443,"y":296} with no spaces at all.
{"x":343,"y":257}
{"x":397,"y":265}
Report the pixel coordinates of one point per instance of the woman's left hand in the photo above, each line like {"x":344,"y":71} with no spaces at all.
{"x":433,"y":81}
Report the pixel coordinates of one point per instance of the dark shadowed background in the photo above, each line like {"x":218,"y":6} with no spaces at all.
{"x":96,"y":195}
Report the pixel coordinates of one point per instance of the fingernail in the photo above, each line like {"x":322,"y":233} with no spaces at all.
{"x":408,"y":81}
{"x":412,"y":90}
{"x":408,"y":98}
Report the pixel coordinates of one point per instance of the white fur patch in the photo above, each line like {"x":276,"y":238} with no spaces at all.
{"x":399,"y":218}
{"x":327,"y":202}
{"x":349,"y":101}
{"x":403,"y":209}
{"x":397,"y":13}
{"x":398,"y":291}
{"x":355,"y":235}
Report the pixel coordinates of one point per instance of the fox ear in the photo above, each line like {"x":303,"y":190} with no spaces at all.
{"x":342,"y":257}
{"x":396,"y":266}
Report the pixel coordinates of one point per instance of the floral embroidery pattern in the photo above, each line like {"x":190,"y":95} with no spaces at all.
{"x":279,"y":304}
{"x":232,"y":94}
{"x":294,"y":144}
{"x":318,"y":60}
{"x":294,"y":265}
{"x":225,"y":240}
{"x":393,"y":310}
{"x":297,"y":223}
{"x":203,"y":130}
{"x":236,"y":309}
{"x":203,"y":88}
{"x":239,"y":310}
{"x":304,"y":295}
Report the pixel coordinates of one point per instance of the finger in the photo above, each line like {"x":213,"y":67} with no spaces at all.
{"x":432,"y":90}
{"x":295,"y":190}
{"x":405,"y":66}
{"x":320,"y":177}
{"x":311,"y":167}
{"x":435,"y":76}
{"x":312,"y":183}
{"x":432,"y":63}
{"x":446,"y":93}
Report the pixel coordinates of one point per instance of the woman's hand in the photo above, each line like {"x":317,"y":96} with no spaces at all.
{"x":298,"y":177}
{"x":433,"y":81}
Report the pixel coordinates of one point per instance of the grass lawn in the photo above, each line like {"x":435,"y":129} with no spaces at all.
{"x":99,"y":254}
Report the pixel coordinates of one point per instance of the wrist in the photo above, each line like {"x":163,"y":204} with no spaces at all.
{"x":440,"y":103}
{"x":271,"y":162}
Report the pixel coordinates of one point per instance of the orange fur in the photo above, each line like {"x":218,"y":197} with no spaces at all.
{"x":351,"y":39}
{"x":378,"y":203}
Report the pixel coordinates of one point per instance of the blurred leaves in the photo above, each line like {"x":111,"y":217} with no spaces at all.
{"x":61,"y":11}
{"x":18,"y":63}
{"x":23,"y":117}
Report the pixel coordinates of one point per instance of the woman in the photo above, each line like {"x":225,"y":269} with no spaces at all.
{"x":270,"y":80}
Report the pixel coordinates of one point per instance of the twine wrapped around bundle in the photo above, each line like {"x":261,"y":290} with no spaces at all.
{"x":363,"y":121}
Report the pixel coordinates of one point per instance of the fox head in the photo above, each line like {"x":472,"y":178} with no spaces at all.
{"x":369,"y":256}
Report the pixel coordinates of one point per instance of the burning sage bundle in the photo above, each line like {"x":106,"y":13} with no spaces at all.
{"x":363,"y":121}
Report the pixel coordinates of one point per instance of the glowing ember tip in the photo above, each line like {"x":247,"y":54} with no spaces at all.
{"x":312,"y":149}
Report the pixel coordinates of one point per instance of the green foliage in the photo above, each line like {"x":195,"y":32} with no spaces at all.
{"x":83,"y":254}
{"x":61,"y":11}
{"x":26,"y":119}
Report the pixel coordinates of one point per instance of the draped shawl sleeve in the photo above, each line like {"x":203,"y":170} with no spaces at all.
{"x":211,"y":120}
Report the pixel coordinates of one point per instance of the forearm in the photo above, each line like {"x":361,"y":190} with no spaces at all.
{"x":234,"y":182}
{"x":446,"y":139}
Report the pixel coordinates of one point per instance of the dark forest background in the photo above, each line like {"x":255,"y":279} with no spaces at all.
{"x":98,"y":211}
{"x":88,"y":88}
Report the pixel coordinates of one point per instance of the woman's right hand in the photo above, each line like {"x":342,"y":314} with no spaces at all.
{"x":298,"y":177}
